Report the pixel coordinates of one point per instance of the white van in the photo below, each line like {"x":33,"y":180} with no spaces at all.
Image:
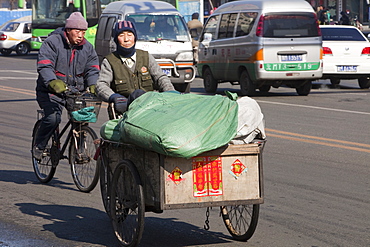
{"x":171,"y":47}
{"x":261,"y":43}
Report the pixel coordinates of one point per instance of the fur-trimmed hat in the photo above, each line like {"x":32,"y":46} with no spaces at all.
{"x":76,"y":21}
{"x":124,"y":26}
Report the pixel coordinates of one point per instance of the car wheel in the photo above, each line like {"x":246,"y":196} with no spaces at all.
{"x":265,"y":88}
{"x":304,"y":89}
{"x":334,"y":81}
{"x":364,"y":82}
{"x":209,"y":82}
{"x":182,"y":88}
{"x":22,"y":49}
{"x":247,"y":88}
{"x":5,"y":52}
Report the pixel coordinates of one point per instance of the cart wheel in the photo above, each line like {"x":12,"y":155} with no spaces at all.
{"x":241,"y":220}
{"x":106,"y":175}
{"x":127,"y":204}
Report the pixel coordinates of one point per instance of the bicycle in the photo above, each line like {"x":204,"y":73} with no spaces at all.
{"x":82,"y":140}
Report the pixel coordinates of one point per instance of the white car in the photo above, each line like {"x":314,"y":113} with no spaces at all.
{"x":346,"y":54}
{"x":15,"y":36}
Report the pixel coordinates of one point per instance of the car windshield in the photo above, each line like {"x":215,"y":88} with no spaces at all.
{"x":290,"y":25}
{"x":341,"y":34}
{"x":10,"y":27}
{"x":160,"y":27}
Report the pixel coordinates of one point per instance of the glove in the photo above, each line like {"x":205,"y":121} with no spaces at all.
{"x":92,"y":89}
{"x":57,"y":86}
{"x":120,"y":102}
{"x":73,"y":90}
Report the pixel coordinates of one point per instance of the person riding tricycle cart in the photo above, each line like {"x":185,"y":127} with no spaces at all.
{"x":148,"y":166}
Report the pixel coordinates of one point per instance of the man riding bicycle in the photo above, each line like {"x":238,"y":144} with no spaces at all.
{"x":66,"y":60}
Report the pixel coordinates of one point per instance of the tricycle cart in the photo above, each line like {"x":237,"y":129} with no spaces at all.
{"x":135,"y":180}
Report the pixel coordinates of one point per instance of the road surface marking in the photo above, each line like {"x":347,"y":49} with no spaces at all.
{"x":318,"y":140}
{"x":315,"y":107}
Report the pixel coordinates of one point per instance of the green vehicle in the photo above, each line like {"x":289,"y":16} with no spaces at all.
{"x":48,"y":15}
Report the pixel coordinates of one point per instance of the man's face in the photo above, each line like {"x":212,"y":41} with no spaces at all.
{"x":126,"y":39}
{"x":75,"y":36}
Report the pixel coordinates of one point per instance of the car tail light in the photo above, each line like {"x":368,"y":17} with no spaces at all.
{"x":327,"y":51}
{"x":258,"y":56}
{"x":259,"y":30}
{"x":3,"y":36}
{"x":365,"y":51}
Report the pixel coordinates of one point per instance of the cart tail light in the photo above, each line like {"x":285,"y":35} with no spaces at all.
{"x":365,"y":51}
{"x":259,"y":31}
{"x":327,"y":51}
{"x":3,"y":37}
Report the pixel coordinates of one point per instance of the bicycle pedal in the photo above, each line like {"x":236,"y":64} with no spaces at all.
{"x":82,"y":160}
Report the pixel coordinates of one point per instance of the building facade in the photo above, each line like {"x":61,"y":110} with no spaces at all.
{"x":357,"y":8}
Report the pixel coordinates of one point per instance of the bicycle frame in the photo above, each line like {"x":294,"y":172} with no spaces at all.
{"x":69,"y":136}
{"x":58,"y":136}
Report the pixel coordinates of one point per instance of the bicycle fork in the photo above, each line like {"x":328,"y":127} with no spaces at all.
{"x":78,"y":140}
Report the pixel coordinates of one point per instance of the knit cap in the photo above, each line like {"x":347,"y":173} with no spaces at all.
{"x":76,"y":21}
{"x":124,"y":26}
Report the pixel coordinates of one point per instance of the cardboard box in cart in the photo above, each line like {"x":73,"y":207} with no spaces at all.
{"x":230,"y":175}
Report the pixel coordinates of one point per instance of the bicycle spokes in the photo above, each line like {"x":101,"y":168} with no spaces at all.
{"x":85,"y":171}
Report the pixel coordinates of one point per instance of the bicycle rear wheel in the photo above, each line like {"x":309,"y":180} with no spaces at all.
{"x":241,"y":220}
{"x":82,"y":148}
{"x":45,"y":168}
{"x":127,"y":204}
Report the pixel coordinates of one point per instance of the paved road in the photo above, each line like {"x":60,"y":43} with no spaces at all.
{"x":316,"y":176}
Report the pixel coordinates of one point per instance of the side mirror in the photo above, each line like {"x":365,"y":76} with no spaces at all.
{"x":207,"y":37}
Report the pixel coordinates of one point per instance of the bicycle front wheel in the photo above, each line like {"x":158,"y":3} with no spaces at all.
{"x":127,"y":204}
{"x":82,"y":148}
{"x":241,"y":220}
{"x":45,"y":168}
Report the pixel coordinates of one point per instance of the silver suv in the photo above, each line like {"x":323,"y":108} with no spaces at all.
{"x":15,"y":36}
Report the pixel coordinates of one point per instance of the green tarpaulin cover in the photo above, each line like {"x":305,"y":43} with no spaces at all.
{"x":179,"y":125}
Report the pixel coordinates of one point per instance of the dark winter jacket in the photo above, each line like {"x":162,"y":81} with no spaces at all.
{"x":77,"y":66}
{"x":344,"y":19}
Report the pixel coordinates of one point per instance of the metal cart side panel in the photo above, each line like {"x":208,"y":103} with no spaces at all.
{"x":172,"y":183}
{"x":232,"y":188}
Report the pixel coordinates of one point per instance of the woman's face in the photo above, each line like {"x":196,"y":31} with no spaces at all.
{"x":126,"y":39}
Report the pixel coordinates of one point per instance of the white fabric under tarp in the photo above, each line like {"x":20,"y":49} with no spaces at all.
{"x":251,"y":122}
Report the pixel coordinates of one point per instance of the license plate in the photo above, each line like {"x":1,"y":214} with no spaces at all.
{"x":167,"y":71}
{"x":351,"y":68}
{"x":290,"y":58}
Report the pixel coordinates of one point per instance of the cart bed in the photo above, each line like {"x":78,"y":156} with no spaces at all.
{"x":230,"y":175}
